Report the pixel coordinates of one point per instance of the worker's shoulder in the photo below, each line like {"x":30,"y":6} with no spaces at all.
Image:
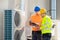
{"x":47,"y":17}
{"x":33,"y":15}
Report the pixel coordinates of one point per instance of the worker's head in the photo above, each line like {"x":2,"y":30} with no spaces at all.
{"x":37,"y":9}
{"x":43,"y":12}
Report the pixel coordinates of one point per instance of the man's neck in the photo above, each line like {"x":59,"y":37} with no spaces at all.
{"x":36,"y":13}
{"x":44,"y":16}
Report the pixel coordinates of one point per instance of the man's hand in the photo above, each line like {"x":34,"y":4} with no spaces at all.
{"x":38,"y":28}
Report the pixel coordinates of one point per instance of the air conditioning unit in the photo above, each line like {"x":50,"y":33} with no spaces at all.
{"x":14,"y":25}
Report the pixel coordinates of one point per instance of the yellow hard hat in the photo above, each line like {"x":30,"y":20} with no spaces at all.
{"x":43,"y":10}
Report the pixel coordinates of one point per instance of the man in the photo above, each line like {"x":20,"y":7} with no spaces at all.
{"x":46,"y":25}
{"x":35,"y":23}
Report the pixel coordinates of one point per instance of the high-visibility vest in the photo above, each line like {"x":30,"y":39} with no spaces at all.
{"x":46,"y":25}
{"x":36,"y":18}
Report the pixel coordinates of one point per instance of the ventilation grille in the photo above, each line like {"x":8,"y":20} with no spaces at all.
{"x":8,"y":25}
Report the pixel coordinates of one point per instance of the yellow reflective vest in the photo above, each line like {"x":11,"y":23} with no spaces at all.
{"x":46,"y":25}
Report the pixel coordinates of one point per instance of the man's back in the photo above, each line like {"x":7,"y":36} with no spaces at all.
{"x":36,"y":18}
